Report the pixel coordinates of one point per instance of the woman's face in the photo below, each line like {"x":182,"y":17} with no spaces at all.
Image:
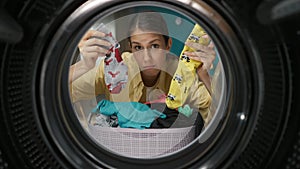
{"x":149,"y":50}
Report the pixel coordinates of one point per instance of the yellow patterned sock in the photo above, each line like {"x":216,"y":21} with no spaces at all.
{"x":185,"y":73}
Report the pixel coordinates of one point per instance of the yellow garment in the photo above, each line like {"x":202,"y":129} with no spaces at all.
{"x":185,"y":74}
{"x":92,"y":84}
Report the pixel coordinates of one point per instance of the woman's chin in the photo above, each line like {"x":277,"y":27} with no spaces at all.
{"x":151,"y":72}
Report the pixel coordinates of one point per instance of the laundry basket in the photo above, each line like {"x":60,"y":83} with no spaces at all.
{"x":144,"y":143}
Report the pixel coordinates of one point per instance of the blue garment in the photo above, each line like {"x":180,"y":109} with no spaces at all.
{"x":130,"y":114}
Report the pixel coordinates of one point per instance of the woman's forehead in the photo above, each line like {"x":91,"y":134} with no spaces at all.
{"x":146,"y":37}
{"x":140,"y":31}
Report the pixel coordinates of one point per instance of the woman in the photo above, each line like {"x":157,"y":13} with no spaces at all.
{"x":150,"y":65}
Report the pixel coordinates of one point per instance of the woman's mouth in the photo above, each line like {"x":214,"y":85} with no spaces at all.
{"x":149,"y":67}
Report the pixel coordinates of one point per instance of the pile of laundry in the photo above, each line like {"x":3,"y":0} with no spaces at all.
{"x":142,"y":116}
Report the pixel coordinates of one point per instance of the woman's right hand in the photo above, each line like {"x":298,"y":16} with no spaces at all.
{"x":92,"y":46}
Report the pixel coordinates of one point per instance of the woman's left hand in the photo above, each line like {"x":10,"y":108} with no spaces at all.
{"x":205,"y":54}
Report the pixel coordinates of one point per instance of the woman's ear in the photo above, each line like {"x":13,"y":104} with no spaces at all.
{"x":129,"y":43}
{"x":169,"y":45}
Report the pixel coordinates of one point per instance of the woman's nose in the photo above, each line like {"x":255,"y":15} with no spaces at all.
{"x":147,"y":55}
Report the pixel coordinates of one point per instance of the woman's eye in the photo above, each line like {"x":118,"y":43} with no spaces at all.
{"x":155,"y":46}
{"x":137,"y":47}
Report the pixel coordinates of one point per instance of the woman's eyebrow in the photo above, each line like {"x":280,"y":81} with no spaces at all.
{"x":135,"y":42}
{"x":154,"y":40}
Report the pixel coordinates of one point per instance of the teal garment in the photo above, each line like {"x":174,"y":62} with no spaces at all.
{"x":185,"y":110}
{"x":130,"y":114}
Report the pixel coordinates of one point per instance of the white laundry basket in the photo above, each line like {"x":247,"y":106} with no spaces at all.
{"x":144,"y":143}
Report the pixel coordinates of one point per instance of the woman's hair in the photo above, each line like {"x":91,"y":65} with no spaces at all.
{"x":149,"y":21}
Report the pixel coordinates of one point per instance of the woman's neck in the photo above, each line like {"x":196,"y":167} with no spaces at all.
{"x":149,"y":81}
